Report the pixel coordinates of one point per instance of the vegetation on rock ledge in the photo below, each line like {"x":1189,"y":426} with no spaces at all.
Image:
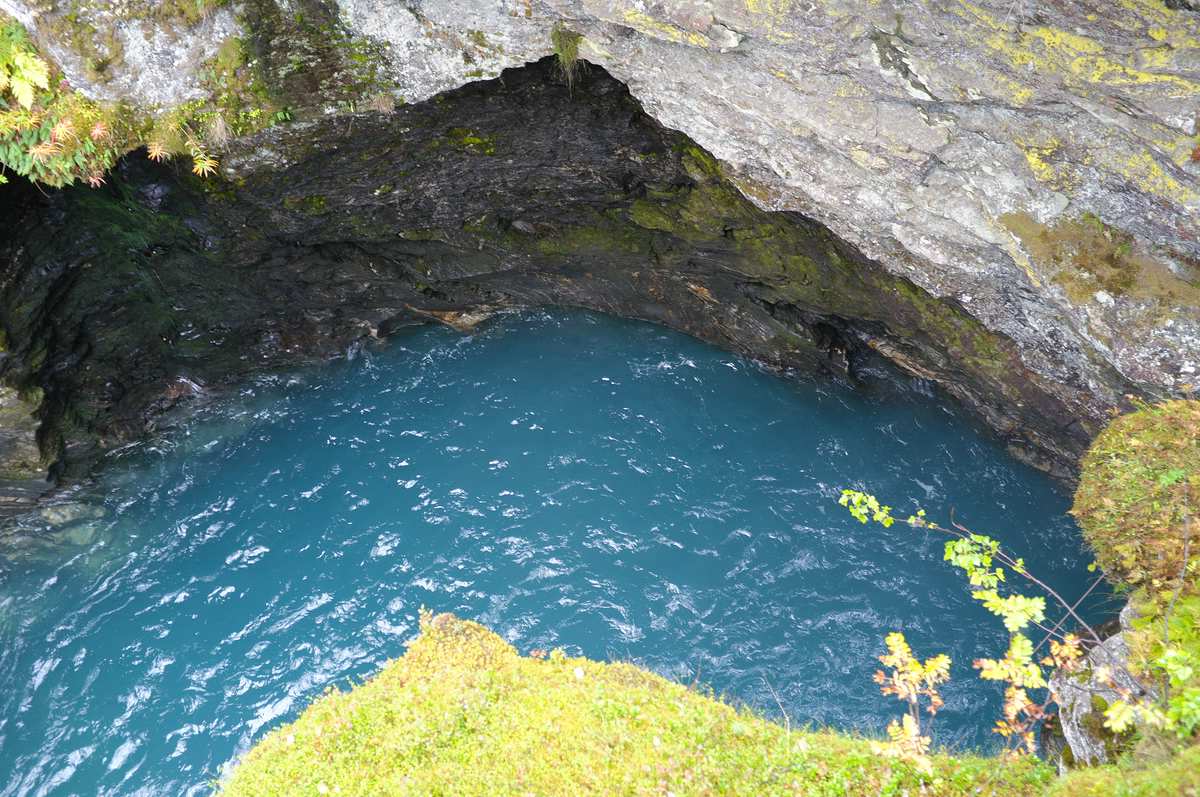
{"x":463,"y":713}
{"x":55,"y":136}
{"x":48,"y":132}
{"x":1135,"y":504}
{"x":1134,"y":491}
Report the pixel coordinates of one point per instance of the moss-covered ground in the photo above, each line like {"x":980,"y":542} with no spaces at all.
{"x":463,"y":713}
{"x":1136,"y":505}
{"x":1138,"y":484}
{"x":1178,"y":776}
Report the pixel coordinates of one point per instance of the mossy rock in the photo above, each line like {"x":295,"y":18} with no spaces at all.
{"x":463,"y":713}
{"x":1177,"y":777}
{"x":1139,"y":482}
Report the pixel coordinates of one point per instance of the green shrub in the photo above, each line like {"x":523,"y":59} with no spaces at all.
{"x":1137,"y":482}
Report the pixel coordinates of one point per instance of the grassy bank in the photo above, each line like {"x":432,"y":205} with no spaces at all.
{"x":463,"y":713}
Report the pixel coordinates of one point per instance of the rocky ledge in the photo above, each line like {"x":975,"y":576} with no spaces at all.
{"x":1000,"y":197}
{"x":519,"y":191}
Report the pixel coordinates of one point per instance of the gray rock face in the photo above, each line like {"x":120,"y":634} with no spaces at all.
{"x":1031,"y":164}
{"x":22,"y":475}
{"x":1083,"y":695}
{"x":120,"y":51}
{"x":941,"y":140}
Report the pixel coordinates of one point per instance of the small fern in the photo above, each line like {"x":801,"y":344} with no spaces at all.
{"x":57,"y":137}
{"x":48,"y":134}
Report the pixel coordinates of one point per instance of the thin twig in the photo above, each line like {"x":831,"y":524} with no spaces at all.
{"x":1051,"y":633}
{"x":787,"y":723}
{"x":1059,"y":624}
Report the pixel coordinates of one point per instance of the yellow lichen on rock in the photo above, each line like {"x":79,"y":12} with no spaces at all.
{"x":1041,"y":159}
{"x":1145,"y":172}
{"x":1082,"y":59}
{"x":658,"y":29}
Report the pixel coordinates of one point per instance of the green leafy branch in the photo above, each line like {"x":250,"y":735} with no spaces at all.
{"x":986,"y":566}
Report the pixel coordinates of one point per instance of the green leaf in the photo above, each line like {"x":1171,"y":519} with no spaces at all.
{"x":1184,"y":712}
{"x":1016,"y":611}
{"x":1173,"y":476}
{"x":22,"y":90}
{"x":32,"y":69}
{"x":1118,"y":717}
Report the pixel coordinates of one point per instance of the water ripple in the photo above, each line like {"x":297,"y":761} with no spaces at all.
{"x":570,"y":480}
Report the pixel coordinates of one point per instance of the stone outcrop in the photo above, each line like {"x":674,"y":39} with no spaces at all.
{"x":121,"y":302}
{"x":1083,"y":696}
{"x":22,"y":469}
{"x":1015,"y":182}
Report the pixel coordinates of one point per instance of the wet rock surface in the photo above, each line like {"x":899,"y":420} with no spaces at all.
{"x":159,"y":289}
{"x":22,"y":471}
{"x":954,"y":143}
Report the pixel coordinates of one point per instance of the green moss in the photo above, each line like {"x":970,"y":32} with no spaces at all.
{"x":462,"y":713}
{"x":468,"y":140}
{"x":311,"y":204}
{"x":1138,"y":482}
{"x":565,"y":43}
{"x":1086,"y":255}
{"x":599,"y":234}
{"x":1177,"y":777}
{"x":189,"y":12}
{"x":698,"y":163}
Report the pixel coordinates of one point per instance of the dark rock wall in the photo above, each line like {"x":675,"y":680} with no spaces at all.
{"x":119,"y":303}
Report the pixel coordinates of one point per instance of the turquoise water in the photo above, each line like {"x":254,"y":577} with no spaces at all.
{"x":571,"y":480}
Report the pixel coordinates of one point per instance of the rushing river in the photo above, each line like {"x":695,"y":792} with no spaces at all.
{"x":570,"y":480}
